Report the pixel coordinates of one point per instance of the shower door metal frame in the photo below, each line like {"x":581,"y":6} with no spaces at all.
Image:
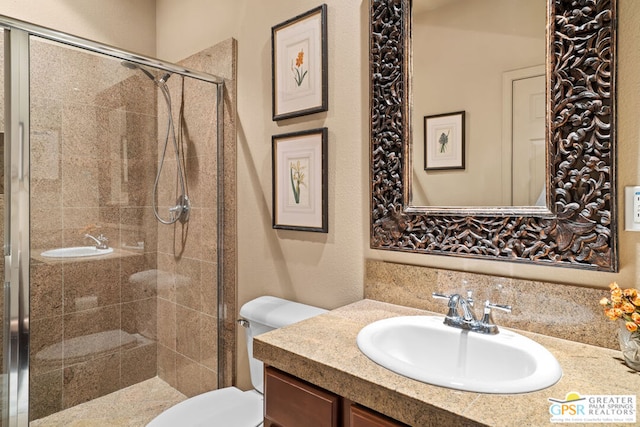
{"x":15,"y":406}
{"x":96,"y":47}
{"x":17,"y":239}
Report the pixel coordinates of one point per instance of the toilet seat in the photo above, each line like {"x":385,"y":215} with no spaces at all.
{"x":226,"y":407}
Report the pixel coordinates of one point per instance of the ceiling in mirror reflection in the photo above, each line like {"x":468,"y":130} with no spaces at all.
{"x":486,"y":59}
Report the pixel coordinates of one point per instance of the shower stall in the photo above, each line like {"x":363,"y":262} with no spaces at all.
{"x":113,"y":223}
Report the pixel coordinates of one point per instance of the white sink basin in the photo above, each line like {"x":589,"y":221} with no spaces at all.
{"x":424,"y":349}
{"x":77,"y":251}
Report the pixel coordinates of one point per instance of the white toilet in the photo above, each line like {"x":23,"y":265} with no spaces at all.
{"x":232,"y":407}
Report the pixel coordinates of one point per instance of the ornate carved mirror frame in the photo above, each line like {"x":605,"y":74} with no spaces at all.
{"x":578,"y":229}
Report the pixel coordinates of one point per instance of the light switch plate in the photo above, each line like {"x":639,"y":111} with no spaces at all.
{"x":632,"y":208}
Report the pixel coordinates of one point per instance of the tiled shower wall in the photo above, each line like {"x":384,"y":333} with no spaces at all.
{"x":187,"y":306}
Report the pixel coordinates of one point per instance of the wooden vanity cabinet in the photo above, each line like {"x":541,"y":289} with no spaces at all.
{"x":360,"y":416}
{"x":292,"y":402}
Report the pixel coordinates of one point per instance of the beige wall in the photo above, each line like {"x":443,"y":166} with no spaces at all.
{"x":126,"y":24}
{"x":320,"y":269}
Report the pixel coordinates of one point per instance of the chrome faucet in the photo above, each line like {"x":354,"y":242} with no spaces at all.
{"x":468,"y":320}
{"x":101,"y":240}
{"x":456,"y":300}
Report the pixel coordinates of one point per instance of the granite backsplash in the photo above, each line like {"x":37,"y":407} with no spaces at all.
{"x":559,"y":310}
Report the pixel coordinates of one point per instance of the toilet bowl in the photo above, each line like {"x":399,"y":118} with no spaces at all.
{"x":232,"y":407}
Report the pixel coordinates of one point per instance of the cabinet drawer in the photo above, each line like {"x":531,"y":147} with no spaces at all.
{"x":290,"y":402}
{"x":362,"y":417}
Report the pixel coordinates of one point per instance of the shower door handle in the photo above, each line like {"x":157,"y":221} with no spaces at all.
{"x":21,"y":151}
{"x":7,"y":270}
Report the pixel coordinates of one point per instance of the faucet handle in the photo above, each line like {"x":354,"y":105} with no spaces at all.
{"x":452,"y":304}
{"x":470,"y":297}
{"x":502,"y":307}
{"x":487,"y":322}
{"x":437,"y":295}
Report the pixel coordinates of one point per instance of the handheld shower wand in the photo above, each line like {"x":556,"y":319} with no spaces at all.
{"x":181,"y":209}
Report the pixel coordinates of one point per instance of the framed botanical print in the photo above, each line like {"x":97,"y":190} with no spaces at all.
{"x":299,"y":65}
{"x":444,"y":141}
{"x":299,"y":168}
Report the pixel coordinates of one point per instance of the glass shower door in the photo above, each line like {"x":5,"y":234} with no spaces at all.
{"x":82,"y":151}
{"x":93,"y":148}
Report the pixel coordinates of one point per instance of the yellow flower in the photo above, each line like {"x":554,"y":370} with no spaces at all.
{"x":616,"y":300}
{"x":612,"y":313}
{"x":628,"y":308}
{"x":631,"y":327}
{"x":300,"y":58}
{"x":623,"y":304}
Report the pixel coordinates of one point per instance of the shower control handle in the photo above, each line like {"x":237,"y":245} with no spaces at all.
{"x":181,"y":209}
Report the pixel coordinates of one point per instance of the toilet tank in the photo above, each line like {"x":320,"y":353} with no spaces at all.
{"x":265,"y":314}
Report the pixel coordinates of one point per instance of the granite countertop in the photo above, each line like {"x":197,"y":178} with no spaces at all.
{"x":323,"y":351}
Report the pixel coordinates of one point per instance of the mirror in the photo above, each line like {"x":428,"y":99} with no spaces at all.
{"x":575,"y":227}
{"x":485,"y":59}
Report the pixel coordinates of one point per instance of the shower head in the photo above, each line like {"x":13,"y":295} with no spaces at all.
{"x":164,"y":78}
{"x":133,"y":66}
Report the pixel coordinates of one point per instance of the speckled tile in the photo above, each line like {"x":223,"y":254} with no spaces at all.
{"x":88,"y":380}
{"x":133,"y":406}
{"x":46,"y":291}
{"x":138,"y":364}
{"x":188,"y":375}
{"x":189,"y":284}
{"x":45,"y":393}
{"x":166,"y":312}
{"x":188,"y":333}
{"x":559,"y":310}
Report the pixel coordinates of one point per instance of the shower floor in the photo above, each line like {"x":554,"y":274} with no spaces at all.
{"x":133,"y":406}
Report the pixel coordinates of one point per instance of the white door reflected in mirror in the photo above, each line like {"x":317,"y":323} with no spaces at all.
{"x":528,"y":155}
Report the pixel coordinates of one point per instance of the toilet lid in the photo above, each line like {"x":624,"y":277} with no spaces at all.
{"x":228,"y":407}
